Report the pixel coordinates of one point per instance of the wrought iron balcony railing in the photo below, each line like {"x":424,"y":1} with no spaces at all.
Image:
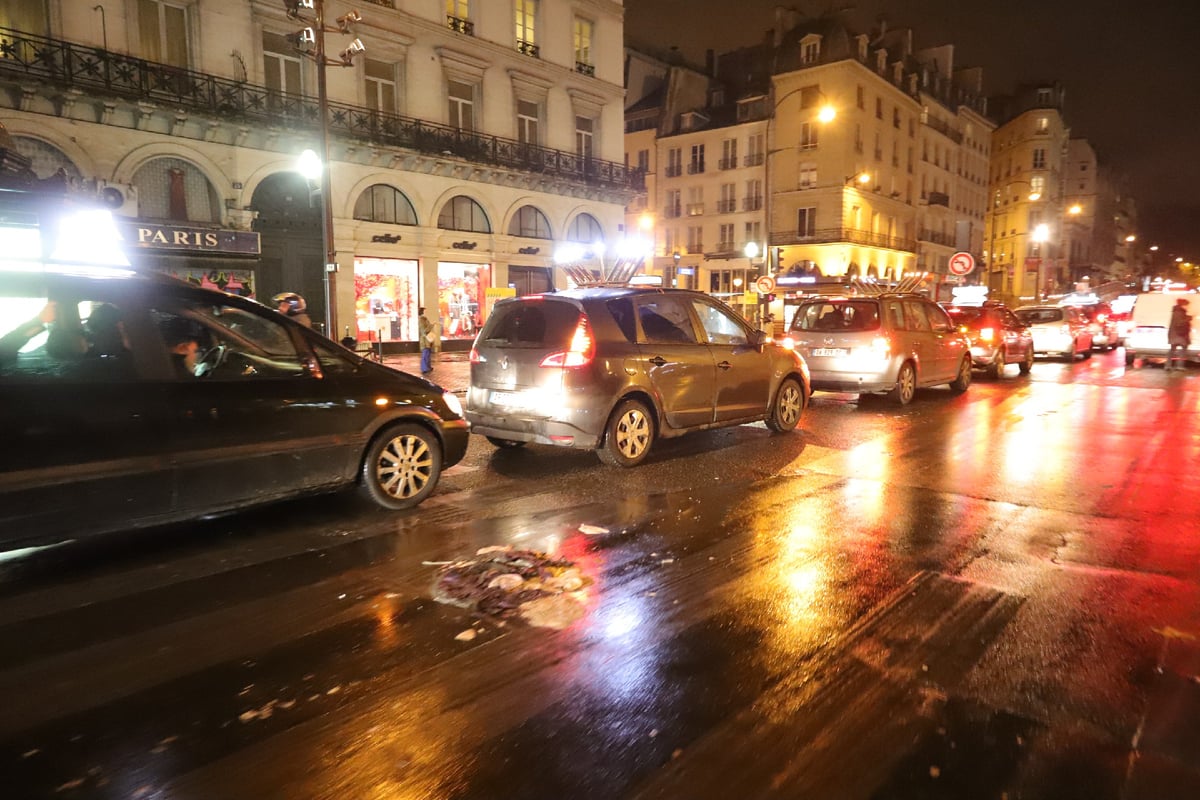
{"x":584,"y":68}
{"x":753,"y":160}
{"x":460,"y":25}
{"x":752,"y":203}
{"x":528,"y":48}
{"x":848,"y":235}
{"x":101,"y":72}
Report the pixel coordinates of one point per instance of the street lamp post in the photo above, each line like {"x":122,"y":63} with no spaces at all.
{"x":310,"y":42}
{"x":1040,"y":235}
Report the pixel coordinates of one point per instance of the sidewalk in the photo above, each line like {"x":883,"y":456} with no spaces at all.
{"x":452,"y":371}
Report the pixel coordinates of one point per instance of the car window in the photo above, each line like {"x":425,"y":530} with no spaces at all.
{"x":621,"y":310}
{"x":232,"y":343}
{"x":914,"y":316}
{"x":334,"y":360}
{"x":938,"y":319}
{"x":719,"y":325}
{"x":893,"y":311}
{"x":665,"y":320}
{"x":847,"y":316}
{"x":1034,"y":316}
{"x":74,"y":334}
{"x":966,"y":316}
{"x":535,"y":323}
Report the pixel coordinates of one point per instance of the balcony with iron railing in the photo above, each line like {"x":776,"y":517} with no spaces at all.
{"x":942,"y":128}
{"x":938,"y":199}
{"x":673,"y":171}
{"x":754,"y":160}
{"x":695,"y":209}
{"x":528,"y":48}
{"x":671,"y":212}
{"x":727,"y":163}
{"x":695,"y":248}
{"x":695,"y":168}
{"x":726,"y":206}
{"x":847,"y":235}
{"x":460,"y":25}
{"x":935,"y":237}
{"x":752,"y":203}
{"x":102,"y":73}
{"x":584,"y":68}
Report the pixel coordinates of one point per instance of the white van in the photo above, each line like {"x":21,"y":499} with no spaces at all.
{"x":1150,"y":318}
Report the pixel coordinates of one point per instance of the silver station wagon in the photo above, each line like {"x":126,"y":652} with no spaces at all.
{"x":890,"y":342}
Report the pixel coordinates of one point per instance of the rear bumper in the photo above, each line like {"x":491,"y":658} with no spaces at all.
{"x":538,"y":431}
{"x":843,"y":382}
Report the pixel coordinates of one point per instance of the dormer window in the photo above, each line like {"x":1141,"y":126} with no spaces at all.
{"x":1043,"y":124}
{"x":810,"y":49}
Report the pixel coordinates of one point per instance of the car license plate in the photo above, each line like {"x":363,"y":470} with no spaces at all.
{"x":508,"y":399}
{"x":830,"y":351}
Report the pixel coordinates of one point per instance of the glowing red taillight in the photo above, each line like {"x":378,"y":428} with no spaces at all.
{"x":475,"y":357}
{"x":580,"y":351}
{"x":987,"y":334}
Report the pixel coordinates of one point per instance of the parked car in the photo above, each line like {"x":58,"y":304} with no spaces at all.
{"x":138,"y":400}
{"x":890,"y":343}
{"x":1057,"y":330}
{"x":612,"y":369}
{"x":1101,"y":324}
{"x":998,"y":338}
{"x":1151,"y":315}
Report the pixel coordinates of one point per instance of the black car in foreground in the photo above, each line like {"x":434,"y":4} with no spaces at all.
{"x":130,"y":400}
{"x":613,"y":368}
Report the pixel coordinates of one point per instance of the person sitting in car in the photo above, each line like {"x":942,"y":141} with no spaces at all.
{"x":182,"y":338}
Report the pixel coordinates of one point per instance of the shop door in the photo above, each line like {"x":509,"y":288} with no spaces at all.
{"x":530,"y":280}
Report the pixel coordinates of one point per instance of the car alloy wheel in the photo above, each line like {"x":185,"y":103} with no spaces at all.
{"x":1027,"y":363}
{"x":963,"y":381}
{"x":628,"y":436}
{"x":789,"y":405}
{"x":906,"y":384}
{"x":402,"y":466}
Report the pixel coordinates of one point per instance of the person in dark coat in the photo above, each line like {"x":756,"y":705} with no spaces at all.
{"x":1179,"y":334}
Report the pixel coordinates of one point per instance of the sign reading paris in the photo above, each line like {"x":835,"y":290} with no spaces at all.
{"x":961,"y":263}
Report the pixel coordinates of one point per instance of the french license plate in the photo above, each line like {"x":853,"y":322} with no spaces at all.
{"x":831,"y":351}
{"x":509,"y":399}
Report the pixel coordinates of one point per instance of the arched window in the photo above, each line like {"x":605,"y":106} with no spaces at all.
{"x":173,"y":189}
{"x":462,"y":213}
{"x":383,"y":203}
{"x":44,"y":158}
{"x":530,"y":223}
{"x":584,"y":228}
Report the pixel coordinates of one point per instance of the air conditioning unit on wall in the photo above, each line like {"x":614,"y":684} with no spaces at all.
{"x":121,"y":198}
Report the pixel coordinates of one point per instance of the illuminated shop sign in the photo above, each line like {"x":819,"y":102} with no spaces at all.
{"x":177,"y":237}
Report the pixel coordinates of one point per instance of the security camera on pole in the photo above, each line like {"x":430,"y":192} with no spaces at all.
{"x":310,"y":42}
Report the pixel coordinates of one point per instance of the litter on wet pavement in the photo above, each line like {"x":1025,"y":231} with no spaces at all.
{"x":505,"y":582}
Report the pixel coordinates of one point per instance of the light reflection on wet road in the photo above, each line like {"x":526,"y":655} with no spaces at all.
{"x":971,"y":596}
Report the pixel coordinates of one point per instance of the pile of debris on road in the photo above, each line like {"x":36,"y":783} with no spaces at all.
{"x":503,"y":582}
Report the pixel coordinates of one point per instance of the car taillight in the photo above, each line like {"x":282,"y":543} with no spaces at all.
{"x":579,"y":352}
{"x":475,"y":357}
{"x":881,"y":345}
{"x":987,"y":334}
{"x":788,"y":343}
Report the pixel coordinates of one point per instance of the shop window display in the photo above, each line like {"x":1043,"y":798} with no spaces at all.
{"x":461,"y":290}
{"x":385,"y":299}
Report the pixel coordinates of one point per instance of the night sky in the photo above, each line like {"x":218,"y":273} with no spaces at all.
{"x":1131,"y":71}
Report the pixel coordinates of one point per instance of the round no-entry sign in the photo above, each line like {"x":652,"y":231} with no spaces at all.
{"x":962,"y":264}
{"x":765,"y":284}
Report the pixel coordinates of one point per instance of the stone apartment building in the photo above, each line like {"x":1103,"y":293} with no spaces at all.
{"x":465,"y":141}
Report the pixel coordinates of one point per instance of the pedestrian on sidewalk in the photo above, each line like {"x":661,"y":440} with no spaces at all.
{"x":1179,"y":334}
{"x":425,"y":341}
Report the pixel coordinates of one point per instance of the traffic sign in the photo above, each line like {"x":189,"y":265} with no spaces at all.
{"x":962,"y":263}
{"x":765,"y":284}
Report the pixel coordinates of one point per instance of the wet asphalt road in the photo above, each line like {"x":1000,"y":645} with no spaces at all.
{"x":989,"y":595}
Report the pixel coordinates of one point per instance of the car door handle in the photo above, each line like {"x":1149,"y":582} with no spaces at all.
{"x":658,"y":361}
{"x":724,"y":365}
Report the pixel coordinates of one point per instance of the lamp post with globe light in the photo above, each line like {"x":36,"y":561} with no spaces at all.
{"x":310,"y":42}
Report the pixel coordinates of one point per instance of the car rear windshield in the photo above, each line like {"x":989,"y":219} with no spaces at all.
{"x":1032,"y":316}
{"x":837,"y":315}
{"x":966,"y":315}
{"x":531,"y":322}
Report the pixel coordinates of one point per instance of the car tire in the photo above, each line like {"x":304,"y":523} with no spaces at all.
{"x":1027,"y":362}
{"x":787,"y":408}
{"x":505,"y":444}
{"x":628,"y":435}
{"x":906,"y":385}
{"x":995,"y":370}
{"x":963,"y":381}
{"x":401,"y":467}
{"x":1129,"y":358}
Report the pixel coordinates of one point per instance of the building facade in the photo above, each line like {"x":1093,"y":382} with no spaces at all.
{"x":466,"y":140}
{"x":1027,"y":258}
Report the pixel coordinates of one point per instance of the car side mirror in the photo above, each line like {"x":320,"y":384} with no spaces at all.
{"x":757,"y":339}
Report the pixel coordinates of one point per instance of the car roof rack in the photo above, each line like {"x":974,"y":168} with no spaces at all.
{"x":909,"y":284}
{"x":619,"y":273}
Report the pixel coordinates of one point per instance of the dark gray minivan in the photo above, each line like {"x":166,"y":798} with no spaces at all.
{"x":613,"y":368}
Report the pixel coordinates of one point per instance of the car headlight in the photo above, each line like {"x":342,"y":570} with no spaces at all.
{"x":453,"y":403}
